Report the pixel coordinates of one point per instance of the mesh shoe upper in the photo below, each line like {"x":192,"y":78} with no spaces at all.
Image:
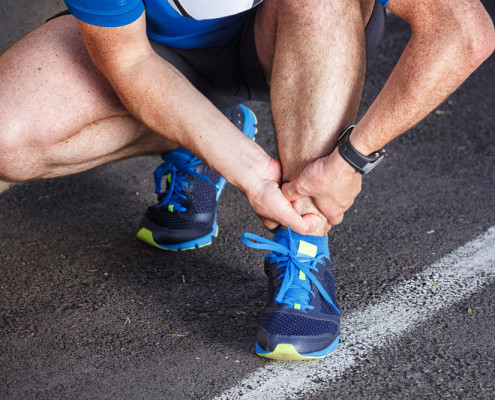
{"x":199,"y":198}
{"x":188,"y":192}
{"x":302,"y":309}
{"x":296,"y":325}
{"x":281,"y":319}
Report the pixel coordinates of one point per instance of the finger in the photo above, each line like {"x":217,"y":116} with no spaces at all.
{"x":269,"y":224}
{"x":287,"y":216}
{"x":293,"y":190}
{"x":335,"y":220}
{"x":314,"y":220}
{"x":300,"y":224}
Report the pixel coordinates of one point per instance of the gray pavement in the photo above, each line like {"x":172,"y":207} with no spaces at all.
{"x":89,"y":312}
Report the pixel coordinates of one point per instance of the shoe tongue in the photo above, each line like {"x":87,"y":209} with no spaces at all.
{"x":307,"y":245}
{"x":183,"y":151}
{"x":306,"y":249}
{"x":310,"y":243}
{"x":180,"y":155}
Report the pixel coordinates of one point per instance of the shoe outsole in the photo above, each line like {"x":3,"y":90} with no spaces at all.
{"x":146,"y":235}
{"x":287,"y":352}
{"x":250,"y":123}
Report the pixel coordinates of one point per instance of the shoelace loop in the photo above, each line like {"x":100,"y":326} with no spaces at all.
{"x":292,"y":290}
{"x":176,"y":166}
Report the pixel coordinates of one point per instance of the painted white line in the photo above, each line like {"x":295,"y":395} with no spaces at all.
{"x":440,"y":285}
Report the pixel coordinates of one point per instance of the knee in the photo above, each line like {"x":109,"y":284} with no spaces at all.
{"x":318,"y":14}
{"x":16,"y":166}
{"x":17,"y":159}
{"x":13,"y":171}
{"x":314,"y":9}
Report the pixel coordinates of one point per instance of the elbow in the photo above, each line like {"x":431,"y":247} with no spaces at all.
{"x":489,"y":45}
{"x":478,"y":43}
{"x":482,"y":47}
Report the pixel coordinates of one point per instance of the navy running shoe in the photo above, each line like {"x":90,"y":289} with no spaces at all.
{"x":185,"y":216}
{"x":302,"y":318}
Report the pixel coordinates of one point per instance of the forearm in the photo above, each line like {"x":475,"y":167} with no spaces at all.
{"x":438,"y":58}
{"x":162,"y":99}
{"x":451,"y":38}
{"x":156,"y":94}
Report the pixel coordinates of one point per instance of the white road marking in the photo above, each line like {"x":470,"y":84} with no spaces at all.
{"x":415,"y":300}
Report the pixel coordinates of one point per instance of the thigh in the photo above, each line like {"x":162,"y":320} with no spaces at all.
{"x":50,"y":88}
{"x":214,"y":72}
{"x":227,"y":74}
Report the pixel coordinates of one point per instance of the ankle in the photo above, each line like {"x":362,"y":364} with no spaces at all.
{"x":282,"y":236}
{"x":305,"y":206}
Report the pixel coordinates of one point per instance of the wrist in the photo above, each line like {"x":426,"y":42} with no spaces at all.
{"x":361,"y":142}
{"x":336,"y":160}
{"x":360,"y":162}
{"x":251,"y":168}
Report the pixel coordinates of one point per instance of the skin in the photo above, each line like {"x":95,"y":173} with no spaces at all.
{"x":88,"y":108}
{"x":450,"y":39}
{"x":309,"y":78}
{"x":74,"y":98}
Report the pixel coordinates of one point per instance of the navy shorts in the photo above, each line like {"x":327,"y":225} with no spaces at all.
{"x":230,"y":74}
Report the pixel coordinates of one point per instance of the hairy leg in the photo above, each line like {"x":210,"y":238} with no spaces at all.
{"x":313,"y":54}
{"x":58,"y":114}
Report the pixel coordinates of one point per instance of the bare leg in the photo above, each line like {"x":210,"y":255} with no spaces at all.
{"x":58,"y":114}
{"x":313,"y":54}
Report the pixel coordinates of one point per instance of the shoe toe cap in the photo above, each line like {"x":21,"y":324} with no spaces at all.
{"x":174,"y":235}
{"x":307,"y":335}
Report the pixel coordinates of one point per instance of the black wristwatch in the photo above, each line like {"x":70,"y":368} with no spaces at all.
{"x":361,"y":163}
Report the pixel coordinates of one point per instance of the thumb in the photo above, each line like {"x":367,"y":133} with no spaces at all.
{"x":293,"y":190}
{"x":313,"y":220}
{"x":300,"y":224}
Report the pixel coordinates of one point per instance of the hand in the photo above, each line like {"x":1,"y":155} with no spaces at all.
{"x":332,"y":184}
{"x":272,"y":207}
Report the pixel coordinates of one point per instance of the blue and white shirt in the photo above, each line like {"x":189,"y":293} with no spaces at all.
{"x":177,"y":23}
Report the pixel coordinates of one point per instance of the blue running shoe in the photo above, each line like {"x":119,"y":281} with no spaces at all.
{"x":302,"y":318}
{"x":185,"y":216}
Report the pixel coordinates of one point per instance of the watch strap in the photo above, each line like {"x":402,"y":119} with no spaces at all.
{"x":361,"y":163}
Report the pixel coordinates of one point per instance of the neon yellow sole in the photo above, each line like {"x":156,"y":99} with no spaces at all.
{"x":147,"y":236}
{"x":287,"y":352}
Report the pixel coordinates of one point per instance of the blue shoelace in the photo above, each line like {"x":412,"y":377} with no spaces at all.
{"x":292,"y":291}
{"x":176,"y":166}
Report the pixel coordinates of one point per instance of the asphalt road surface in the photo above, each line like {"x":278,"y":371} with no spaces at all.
{"x":88,"y":311}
